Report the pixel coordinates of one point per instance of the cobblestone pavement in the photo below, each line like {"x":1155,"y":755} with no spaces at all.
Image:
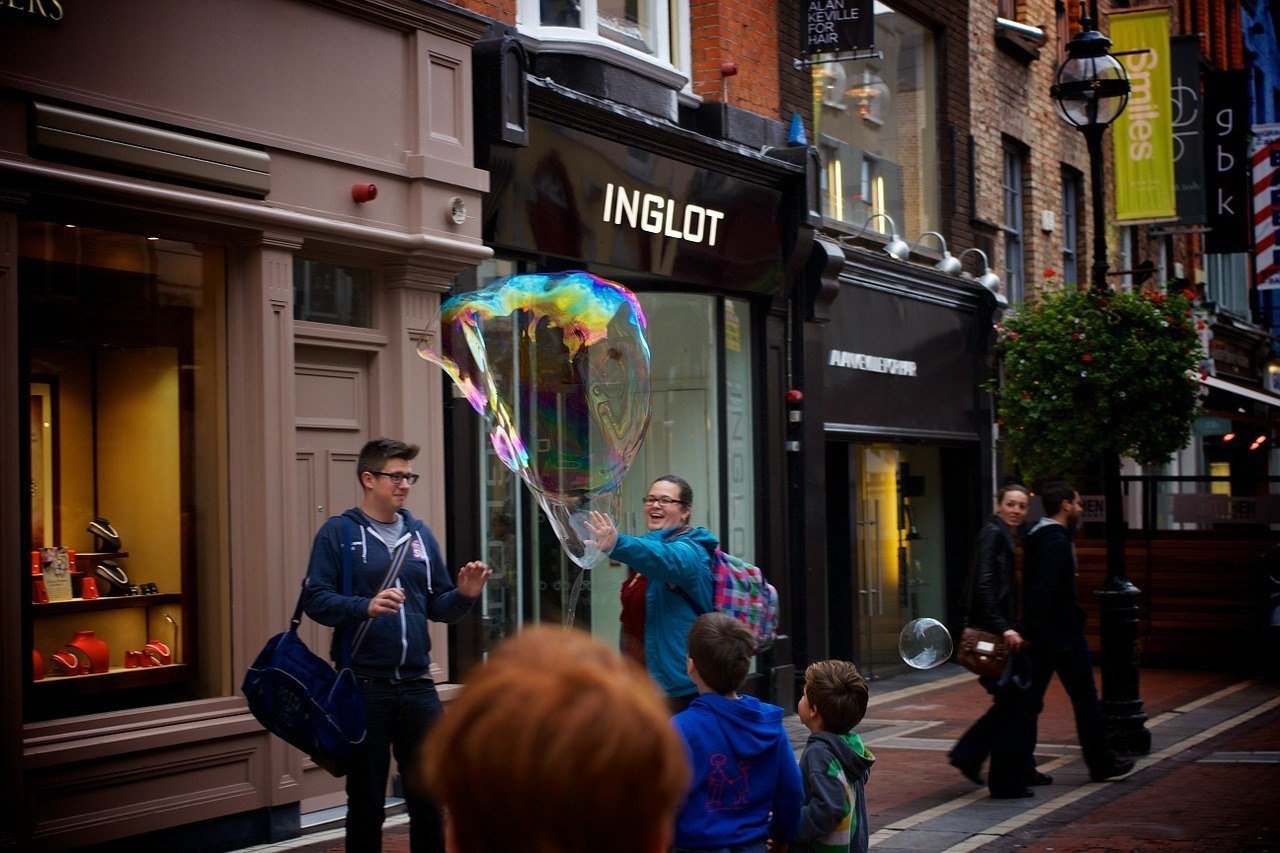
{"x":1211,"y":781}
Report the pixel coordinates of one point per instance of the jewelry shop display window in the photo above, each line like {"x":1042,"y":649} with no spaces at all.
{"x":702,"y":429}
{"x":121,"y":340}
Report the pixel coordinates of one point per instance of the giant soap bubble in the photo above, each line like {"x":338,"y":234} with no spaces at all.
{"x":924,"y":643}
{"x":558,"y":366}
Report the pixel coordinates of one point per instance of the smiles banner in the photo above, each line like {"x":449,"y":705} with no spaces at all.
{"x":1143,"y":134}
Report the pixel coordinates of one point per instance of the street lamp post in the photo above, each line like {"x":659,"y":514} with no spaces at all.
{"x":1090,"y":91}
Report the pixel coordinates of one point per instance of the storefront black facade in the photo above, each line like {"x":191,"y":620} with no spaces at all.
{"x":893,"y":467}
{"x":709,"y":232}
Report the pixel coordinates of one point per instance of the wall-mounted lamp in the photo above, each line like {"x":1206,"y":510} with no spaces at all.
{"x":988,"y":279}
{"x":896,"y":248}
{"x":949,"y":264}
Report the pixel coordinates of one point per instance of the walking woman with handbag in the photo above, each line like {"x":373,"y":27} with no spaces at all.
{"x":991,"y":604}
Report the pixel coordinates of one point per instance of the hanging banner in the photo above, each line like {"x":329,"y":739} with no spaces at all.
{"x":1143,"y":134}
{"x":1265,"y":156}
{"x":838,"y":26}
{"x":1188,"y":130}
{"x":1226,"y":132}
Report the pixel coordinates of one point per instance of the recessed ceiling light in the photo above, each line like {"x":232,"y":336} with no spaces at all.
{"x":70,"y":226}
{"x":153,"y":239}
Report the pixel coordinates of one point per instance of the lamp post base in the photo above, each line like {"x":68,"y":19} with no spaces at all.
{"x":1121,"y":705}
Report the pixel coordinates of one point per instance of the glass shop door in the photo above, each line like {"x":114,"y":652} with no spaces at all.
{"x":891,"y":562}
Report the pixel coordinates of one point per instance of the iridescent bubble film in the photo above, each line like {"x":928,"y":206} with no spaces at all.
{"x":924,"y":643}
{"x":558,"y":366}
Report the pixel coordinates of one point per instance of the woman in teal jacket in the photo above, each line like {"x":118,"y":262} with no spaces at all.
{"x":676,"y":559}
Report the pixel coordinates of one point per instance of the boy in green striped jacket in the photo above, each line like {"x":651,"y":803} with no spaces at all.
{"x":835,"y":764}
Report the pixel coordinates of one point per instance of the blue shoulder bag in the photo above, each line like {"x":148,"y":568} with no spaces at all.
{"x":300,"y":698}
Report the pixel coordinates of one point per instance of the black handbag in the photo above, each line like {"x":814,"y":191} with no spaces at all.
{"x":301,"y":698}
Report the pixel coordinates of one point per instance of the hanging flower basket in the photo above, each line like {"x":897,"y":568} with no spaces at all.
{"x":1085,"y":373}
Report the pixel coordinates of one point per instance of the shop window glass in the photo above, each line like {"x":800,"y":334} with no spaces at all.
{"x":330,"y":293}
{"x":702,"y":429}
{"x":121,"y":341}
{"x":876,"y":128}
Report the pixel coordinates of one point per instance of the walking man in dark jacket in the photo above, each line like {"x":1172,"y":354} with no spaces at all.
{"x":387,"y":613}
{"x":1054,"y":627}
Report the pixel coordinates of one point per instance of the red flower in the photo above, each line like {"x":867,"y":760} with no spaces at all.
{"x":1026,"y":396}
{"x":1014,"y":335}
{"x":1200,"y":324}
{"x":1189,"y":294}
{"x":1076,"y":336}
{"x":1087,"y":357}
{"x":1049,"y":273}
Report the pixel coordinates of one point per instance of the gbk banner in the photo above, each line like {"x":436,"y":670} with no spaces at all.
{"x":1143,"y":134}
{"x":1226,"y":131}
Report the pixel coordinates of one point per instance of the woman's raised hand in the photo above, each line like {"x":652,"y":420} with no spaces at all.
{"x":603,"y":529}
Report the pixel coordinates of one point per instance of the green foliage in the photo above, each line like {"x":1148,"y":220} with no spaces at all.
{"x":1085,"y":373}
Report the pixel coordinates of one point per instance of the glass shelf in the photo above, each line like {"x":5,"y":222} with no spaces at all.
{"x":117,"y":677}
{"x":114,"y":602}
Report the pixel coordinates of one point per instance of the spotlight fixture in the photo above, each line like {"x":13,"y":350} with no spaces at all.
{"x":1258,"y":442}
{"x":949,"y":263}
{"x":988,"y":279}
{"x":1228,"y":437}
{"x":896,"y":248}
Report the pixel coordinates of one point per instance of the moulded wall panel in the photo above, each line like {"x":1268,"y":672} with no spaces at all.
{"x":291,"y":70}
{"x":79,"y":804}
{"x":329,"y":397}
{"x":446,"y":100}
{"x":446,"y":96}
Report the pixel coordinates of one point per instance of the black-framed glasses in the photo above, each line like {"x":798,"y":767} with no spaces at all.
{"x":663,"y":501}
{"x":397,"y":477}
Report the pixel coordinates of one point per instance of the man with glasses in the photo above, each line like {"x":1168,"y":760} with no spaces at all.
{"x":398,"y":583}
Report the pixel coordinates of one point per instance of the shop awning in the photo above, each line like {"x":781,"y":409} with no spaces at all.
{"x":1249,"y":393}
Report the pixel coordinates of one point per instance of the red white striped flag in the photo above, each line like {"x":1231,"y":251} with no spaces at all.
{"x":1265,"y":159}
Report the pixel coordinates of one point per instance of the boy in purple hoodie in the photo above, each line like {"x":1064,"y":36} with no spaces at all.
{"x":746,"y":783}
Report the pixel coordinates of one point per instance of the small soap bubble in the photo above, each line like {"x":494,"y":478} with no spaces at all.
{"x":924,"y":643}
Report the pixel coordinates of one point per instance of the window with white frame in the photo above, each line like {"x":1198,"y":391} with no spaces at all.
{"x":653,"y":30}
{"x":1014,"y":256}
{"x":1071,"y":183}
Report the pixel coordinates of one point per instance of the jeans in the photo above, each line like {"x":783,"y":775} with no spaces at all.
{"x":1006,"y":732}
{"x":398,"y":717}
{"x":1075,"y":671}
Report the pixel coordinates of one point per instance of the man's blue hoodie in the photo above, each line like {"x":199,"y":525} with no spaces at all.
{"x":743,"y":770}
{"x":399,"y":645}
